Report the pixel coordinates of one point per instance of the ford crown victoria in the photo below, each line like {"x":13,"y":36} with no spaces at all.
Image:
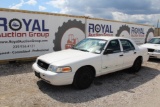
{"x":153,"y":46}
{"x":91,"y":57}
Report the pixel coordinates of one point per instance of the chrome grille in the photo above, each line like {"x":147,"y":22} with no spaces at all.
{"x":150,"y":50}
{"x":42,"y":64}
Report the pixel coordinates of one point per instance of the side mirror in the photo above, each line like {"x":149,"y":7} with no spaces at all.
{"x":108,"y":51}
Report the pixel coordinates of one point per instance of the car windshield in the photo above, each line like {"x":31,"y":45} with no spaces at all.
{"x":91,"y":45}
{"x":154,"y":41}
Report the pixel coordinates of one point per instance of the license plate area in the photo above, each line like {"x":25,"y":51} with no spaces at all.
{"x":37,"y":74}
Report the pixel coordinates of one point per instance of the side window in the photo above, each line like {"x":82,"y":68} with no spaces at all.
{"x":114,"y":45}
{"x":127,"y":45}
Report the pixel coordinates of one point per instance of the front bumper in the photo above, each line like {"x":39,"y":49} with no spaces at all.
{"x":52,"y":77}
{"x":154,"y":55}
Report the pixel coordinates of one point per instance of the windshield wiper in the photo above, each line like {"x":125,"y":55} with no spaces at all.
{"x":74,"y":48}
{"x":83,"y":50}
{"x":95,"y":53}
{"x":80,"y":49}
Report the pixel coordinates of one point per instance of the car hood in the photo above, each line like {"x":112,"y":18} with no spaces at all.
{"x":151,"y":46}
{"x":66,"y":56}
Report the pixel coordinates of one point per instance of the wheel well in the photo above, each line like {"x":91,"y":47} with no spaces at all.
{"x":91,"y":67}
{"x":140,"y":58}
{"x":137,"y":58}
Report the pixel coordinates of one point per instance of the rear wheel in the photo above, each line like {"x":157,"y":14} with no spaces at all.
{"x":136,"y":65}
{"x":83,"y":78}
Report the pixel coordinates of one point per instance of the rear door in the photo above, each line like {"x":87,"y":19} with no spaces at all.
{"x":129,"y":52}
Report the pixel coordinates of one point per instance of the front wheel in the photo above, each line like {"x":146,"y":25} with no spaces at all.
{"x":83,"y":78}
{"x":136,"y":65}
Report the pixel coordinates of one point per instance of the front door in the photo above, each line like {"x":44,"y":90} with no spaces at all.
{"x":112,"y":61}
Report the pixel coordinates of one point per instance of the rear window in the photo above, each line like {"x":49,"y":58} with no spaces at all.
{"x":127,"y":45}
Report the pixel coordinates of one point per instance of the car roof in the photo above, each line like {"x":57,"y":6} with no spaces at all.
{"x":108,"y":37}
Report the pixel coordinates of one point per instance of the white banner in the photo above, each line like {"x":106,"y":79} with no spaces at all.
{"x":139,"y":33}
{"x":28,"y":35}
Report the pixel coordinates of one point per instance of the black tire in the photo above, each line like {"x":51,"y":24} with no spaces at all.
{"x":151,"y":30}
{"x":136,"y":65}
{"x":83,"y":78}
{"x":61,"y":30}
{"x":121,"y":29}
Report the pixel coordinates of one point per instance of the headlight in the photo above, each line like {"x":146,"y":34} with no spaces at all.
{"x":63,"y":69}
{"x":158,"y":51}
{"x":59,"y":69}
{"x":52,"y":68}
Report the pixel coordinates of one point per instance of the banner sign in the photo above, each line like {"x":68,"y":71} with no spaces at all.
{"x":25,"y":34}
{"x":28,"y":35}
{"x":139,"y":33}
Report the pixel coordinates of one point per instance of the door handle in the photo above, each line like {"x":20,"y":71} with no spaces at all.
{"x":121,"y":55}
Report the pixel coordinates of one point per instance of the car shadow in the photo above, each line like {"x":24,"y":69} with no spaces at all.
{"x":102,"y":86}
{"x":14,"y":68}
{"x":155,"y":60}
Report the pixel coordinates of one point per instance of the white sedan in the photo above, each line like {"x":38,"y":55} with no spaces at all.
{"x":88,"y":59}
{"x":153,"y":46}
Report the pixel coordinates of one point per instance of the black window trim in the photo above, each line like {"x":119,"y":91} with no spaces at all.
{"x":130,"y":43}
{"x":119,"y":45}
